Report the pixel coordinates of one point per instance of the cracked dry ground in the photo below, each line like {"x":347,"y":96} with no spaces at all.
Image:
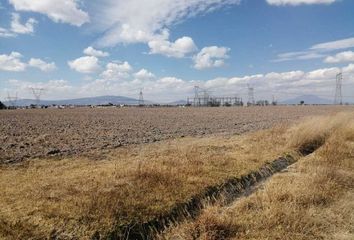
{"x":84,"y":131}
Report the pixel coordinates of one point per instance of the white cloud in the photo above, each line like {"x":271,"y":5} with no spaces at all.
{"x":285,"y":76}
{"x":6,"y":33}
{"x":323,"y":73}
{"x":298,"y":2}
{"x":126,"y":34}
{"x":18,"y":27}
{"x":347,"y":56}
{"x":210,"y":57}
{"x":317,"y":51}
{"x":12,"y":62}
{"x":283,"y":85}
{"x":117,"y":71}
{"x":42,"y":65}
{"x":53,"y":89}
{"x":87,"y":64}
{"x":302,"y":55}
{"x":143,"y":21}
{"x":66,"y":11}
{"x":144,"y":74}
{"x":348,"y":69}
{"x":170,"y":81}
{"x":57,"y":85}
{"x":227,"y":85}
{"x":178,"y":49}
{"x":334,"y":45}
{"x":94,"y":52}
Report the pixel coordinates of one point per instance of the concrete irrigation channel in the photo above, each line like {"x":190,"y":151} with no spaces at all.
{"x":228,"y":192}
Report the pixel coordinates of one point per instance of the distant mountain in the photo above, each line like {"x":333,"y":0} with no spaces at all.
{"x":116,"y":100}
{"x":179,"y":102}
{"x":308,"y":99}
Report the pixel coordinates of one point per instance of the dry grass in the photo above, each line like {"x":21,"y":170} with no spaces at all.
{"x":313,"y":200}
{"x":77,"y":197}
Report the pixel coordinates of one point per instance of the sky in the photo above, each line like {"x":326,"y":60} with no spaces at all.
{"x":80,"y":48}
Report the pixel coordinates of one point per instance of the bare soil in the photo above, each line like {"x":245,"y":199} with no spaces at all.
{"x":38,"y":133}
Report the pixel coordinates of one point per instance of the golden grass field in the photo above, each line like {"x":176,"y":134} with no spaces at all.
{"x":77,"y":197}
{"x":314,"y":199}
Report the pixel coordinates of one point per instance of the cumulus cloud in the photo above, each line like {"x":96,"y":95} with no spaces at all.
{"x":87,"y":64}
{"x":12,"y":62}
{"x":323,"y":73}
{"x":66,"y":11}
{"x":348,"y":69}
{"x":54,"y":89}
{"x":285,"y":76}
{"x":144,"y":74}
{"x":227,"y":85}
{"x":178,"y":49}
{"x":347,"y":56}
{"x":18,"y":27}
{"x":281,"y":84}
{"x":117,"y":71}
{"x":298,"y":2}
{"x":42,"y":65}
{"x":143,"y":21}
{"x":210,"y":57}
{"x":170,"y":80}
{"x":90,"y":51}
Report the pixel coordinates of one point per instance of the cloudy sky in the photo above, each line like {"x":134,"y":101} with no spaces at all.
{"x":81,"y":48}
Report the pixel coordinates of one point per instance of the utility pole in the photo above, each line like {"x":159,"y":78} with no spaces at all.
{"x":338,"y":98}
{"x":37,"y":93}
{"x":141,"y":98}
{"x":250,"y":95}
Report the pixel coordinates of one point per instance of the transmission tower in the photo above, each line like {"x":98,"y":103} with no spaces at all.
{"x":12,"y":99}
{"x":196,"y":91}
{"x":250,"y":95}
{"x":338,"y":99}
{"x":37,"y":93}
{"x":141,"y":98}
{"x":196,"y":101}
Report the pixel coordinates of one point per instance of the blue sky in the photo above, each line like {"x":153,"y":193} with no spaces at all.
{"x":113,"y":47}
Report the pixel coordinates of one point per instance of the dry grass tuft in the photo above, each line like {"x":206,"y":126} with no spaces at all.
{"x":313,"y":200}
{"x":313,"y":132}
{"x":79,"y":197}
